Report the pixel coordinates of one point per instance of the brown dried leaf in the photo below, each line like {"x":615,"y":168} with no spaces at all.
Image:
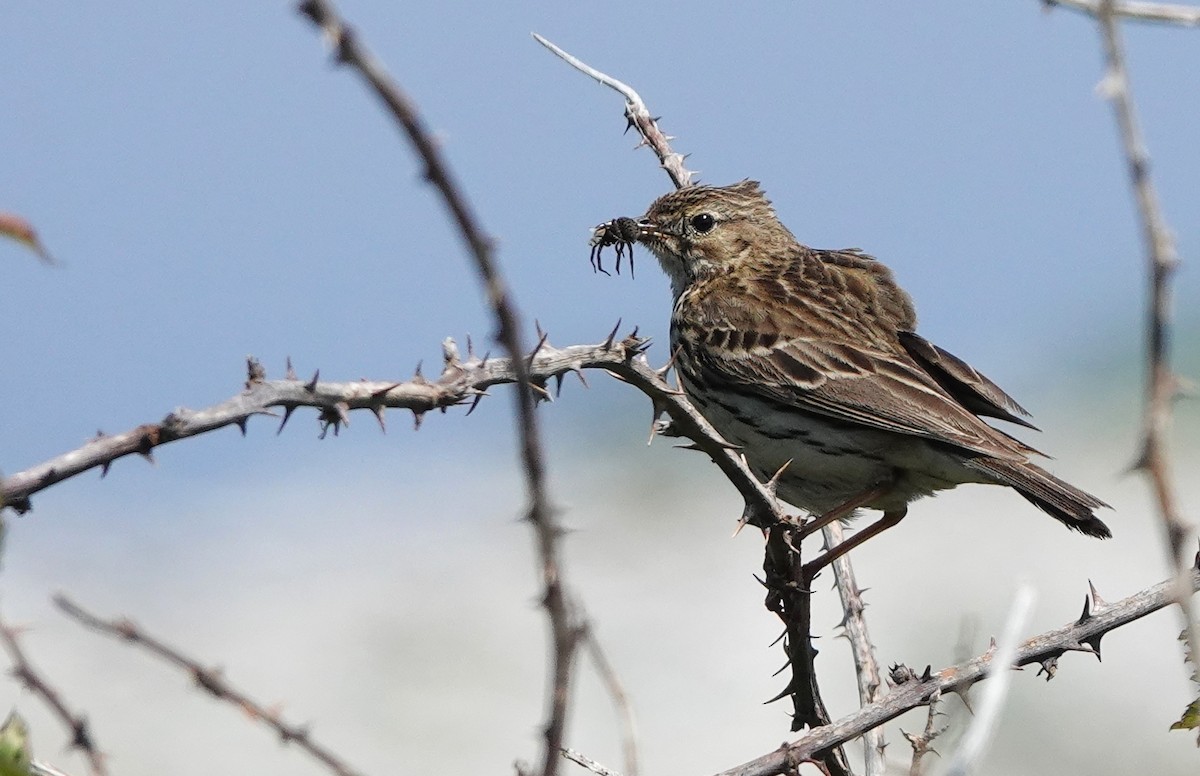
{"x":17,"y":228}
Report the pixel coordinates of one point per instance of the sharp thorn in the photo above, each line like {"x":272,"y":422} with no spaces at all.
{"x":612,"y":336}
{"x":665,"y":368}
{"x":311,"y":385}
{"x":382,"y":392}
{"x":287,"y":414}
{"x":542,"y":336}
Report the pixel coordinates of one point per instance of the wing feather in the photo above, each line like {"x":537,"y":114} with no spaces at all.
{"x":887,"y":391}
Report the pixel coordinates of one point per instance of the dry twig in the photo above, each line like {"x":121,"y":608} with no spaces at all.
{"x":564,"y":624}
{"x":788,"y":586}
{"x":637,"y":114}
{"x":588,"y":763}
{"x":22,"y":670}
{"x":866,"y":666}
{"x":629,"y":735}
{"x":922,"y":743}
{"x":211,"y":681}
{"x":1162,"y":384}
{"x":789,"y":595}
{"x":1083,"y":635}
{"x":1166,"y":13}
{"x":462,"y":381}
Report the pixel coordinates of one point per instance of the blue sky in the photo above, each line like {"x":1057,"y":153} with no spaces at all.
{"x":215,"y":188}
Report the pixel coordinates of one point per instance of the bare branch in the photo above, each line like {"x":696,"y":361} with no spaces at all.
{"x":210,"y":680}
{"x":608,"y":675}
{"x":866,"y":667}
{"x":23,"y":671}
{"x":1162,"y":260}
{"x":789,"y":596}
{"x":461,"y":382}
{"x":588,"y":763}
{"x":922,"y":743}
{"x":1082,"y":635}
{"x":1167,"y":13}
{"x":563,"y":624}
{"x":637,"y":114}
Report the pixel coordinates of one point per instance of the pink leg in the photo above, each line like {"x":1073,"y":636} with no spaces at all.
{"x":888,"y":520}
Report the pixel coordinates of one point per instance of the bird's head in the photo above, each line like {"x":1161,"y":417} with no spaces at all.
{"x":699,"y":231}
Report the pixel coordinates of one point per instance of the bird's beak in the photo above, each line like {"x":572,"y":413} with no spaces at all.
{"x":647,"y":230}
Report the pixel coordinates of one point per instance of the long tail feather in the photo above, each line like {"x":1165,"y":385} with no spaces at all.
{"x":1064,"y":502}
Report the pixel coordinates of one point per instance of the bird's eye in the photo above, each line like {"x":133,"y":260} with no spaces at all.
{"x":703,"y":223}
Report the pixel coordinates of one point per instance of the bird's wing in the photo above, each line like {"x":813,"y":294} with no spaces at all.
{"x":850,"y":383}
{"x":966,"y":384}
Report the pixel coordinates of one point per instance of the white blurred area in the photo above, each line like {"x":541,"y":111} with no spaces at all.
{"x":392,"y":604}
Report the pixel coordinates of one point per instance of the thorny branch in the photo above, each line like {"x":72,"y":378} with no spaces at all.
{"x":210,"y":680}
{"x":588,"y":763}
{"x":922,"y":743}
{"x":1162,"y":383}
{"x":81,"y":734}
{"x":629,"y":735}
{"x":462,"y":381}
{"x":866,"y":666}
{"x":1083,"y":635}
{"x":789,"y":596}
{"x":638,"y":116}
{"x":788,"y":585}
{"x":1167,"y":13}
{"x":564,"y":625}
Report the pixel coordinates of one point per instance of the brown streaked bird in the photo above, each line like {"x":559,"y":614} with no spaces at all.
{"x":809,"y":359}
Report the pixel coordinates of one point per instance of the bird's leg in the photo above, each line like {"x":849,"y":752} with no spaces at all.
{"x":888,"y":520}
{"x":844,"y":509}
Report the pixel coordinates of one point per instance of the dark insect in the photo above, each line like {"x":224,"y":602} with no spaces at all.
{"x":619,"y":233}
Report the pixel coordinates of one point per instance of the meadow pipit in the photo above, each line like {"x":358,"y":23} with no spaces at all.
{"x":809,"y":359}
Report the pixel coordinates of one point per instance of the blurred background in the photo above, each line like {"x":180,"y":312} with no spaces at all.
{"x":214,"y":188}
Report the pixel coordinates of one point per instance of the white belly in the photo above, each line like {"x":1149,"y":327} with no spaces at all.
{"x":832,"y":462}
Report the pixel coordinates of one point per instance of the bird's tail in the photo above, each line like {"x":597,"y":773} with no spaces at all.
{"x":1064,"y":502}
